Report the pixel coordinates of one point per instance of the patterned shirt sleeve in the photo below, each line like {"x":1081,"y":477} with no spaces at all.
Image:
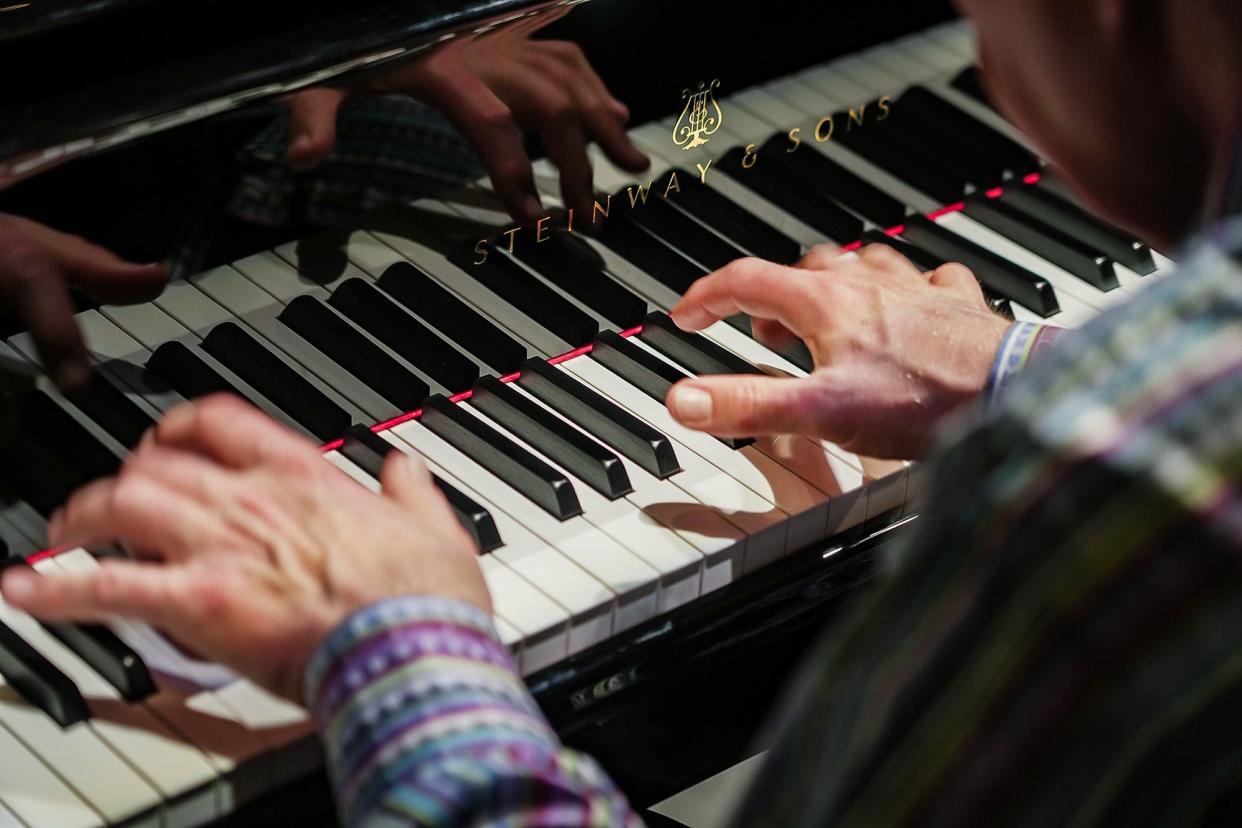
{"x":1021,"y":344}
{"x":426,"y":722}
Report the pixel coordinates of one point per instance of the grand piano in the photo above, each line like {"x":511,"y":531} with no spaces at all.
{"x":656,"y":586}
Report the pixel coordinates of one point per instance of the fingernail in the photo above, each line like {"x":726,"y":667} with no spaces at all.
{"x":72,"y":373}
{"x":687,"y":320}
{"x":18,"y":586}
{"x":691,"y":405}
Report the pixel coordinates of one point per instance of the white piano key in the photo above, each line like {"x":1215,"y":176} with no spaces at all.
{"x":958,"y":36}
{"x":194,"y":309}
{"x":193,"y":711}
{"x":276,"y":271}
{"x":34,"y":794}
{"x":830,"y":82}
{"x":147,"y":323}
{"x":875,"y":78}
{"x":901,"y":66}
{"x":77,"y":755}
{"x":770,"y":526}
{"x":534,"y":615}
{"x":19,"y":544}
{"x":580,"y":542}
{"x":1062,"y":281}
{"x":680,"y":566}
{"x":177,"y":769}
{"x":1074,"y":312}
{"x":926,"y":50}
{"x":511,"y":637}
{"x":719,"y":540}
{"x":587,"y":602}
{"x":543,"y":625}
{"x":8,"y":819}
{"x":256,"y":310}
{"x":286,"y":729}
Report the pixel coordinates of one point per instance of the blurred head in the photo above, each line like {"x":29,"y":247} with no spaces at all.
{"x":1136,"y":101}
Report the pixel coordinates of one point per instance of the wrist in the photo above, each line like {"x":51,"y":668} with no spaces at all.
{"x":1021,"y":343}
{"x":404,"y":629}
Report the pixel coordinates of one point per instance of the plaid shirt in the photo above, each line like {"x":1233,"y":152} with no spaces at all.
{"x":1059,"y":645}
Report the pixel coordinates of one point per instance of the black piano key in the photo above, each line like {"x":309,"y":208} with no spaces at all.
{"x":978,"y":167}
{"x":600,"y":416}
{"x":932,"y":107}
{"x":454,"y":318}
{"x":35,"y":476}
{"x":678,"y":230}
{"x":591,"y":462}
{"x":972,"y":149}
{"x":645,"y":371}
{"x":1012,"y":281}
{"x":116,"y":413}
{"x":544,"y":485}
{"x":181,"y":370}
{"x":1045,"y":240}
{"x":108,"y":655}
{"x":367,"y":450}
{"x":650,"y":255}
{"x":968,"y":81}
{"x":583,"y":280}
{"x":913,"y":165}
{"x":1050,"y":208}
{"x":731,"y":220}
{"x":379,"y":316}
{"x":696,"y":353}
{"x":287,"y":389}
{"x":347,"y":347}
{"x":529,"y":297}
{"x":42,"y":419}
{"x":836,"y":182}
{"x":926,"y":262}
{"x":38,"y":681}
{"x":793,"y":195}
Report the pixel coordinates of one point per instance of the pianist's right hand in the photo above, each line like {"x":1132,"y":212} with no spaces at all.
{"x":251,"y":549}
{"x":895,"y":349}
{"x":39,"y":264}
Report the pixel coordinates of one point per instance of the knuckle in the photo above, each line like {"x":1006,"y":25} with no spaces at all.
{"x":106,"y":587}
{"x":494,"y":115}
{"x":880,"y":255}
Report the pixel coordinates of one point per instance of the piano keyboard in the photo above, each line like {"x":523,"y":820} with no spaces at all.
{"x":533,"y":386}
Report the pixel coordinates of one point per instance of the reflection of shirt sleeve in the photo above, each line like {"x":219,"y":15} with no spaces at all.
{"x":1021,"y":343}
{"x":426,"y":722}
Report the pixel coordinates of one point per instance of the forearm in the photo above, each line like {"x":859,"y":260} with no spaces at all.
{"x":425,"y":721}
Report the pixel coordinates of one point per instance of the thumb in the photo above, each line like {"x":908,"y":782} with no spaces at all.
{"x":312,"y":126}
{"x":742,"y":406}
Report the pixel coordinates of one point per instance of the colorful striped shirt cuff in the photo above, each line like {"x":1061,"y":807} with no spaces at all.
{"x":1021,"y":343}
{"x":426,"y":722}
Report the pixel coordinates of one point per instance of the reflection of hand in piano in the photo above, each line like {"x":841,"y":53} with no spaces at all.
{"x":260,"y":545}
{"x":492,"y":87}
{"x":895,"y":349}
{"x":39,"y":264}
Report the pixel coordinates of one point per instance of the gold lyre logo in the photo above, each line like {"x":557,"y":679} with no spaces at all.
{"x":700,"y":119}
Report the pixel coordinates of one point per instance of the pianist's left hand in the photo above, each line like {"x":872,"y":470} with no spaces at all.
{"x":38,"y":265}
{"x":249,"y":547}
{"x":895,"y":349}
{"x":491,"y":88}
